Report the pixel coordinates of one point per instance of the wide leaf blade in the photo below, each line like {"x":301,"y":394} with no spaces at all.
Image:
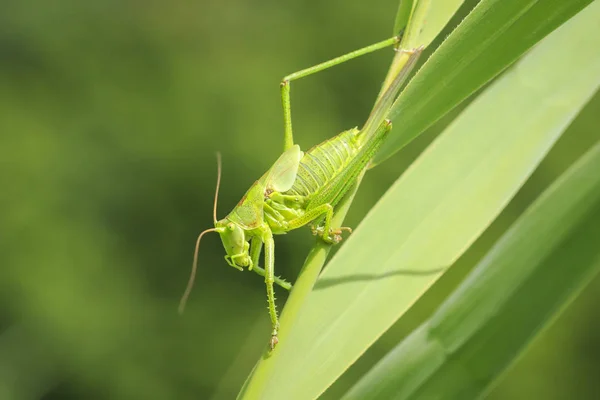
{"x":427,"y":19}
{"x":434,"y":212}
{"x":419,"y":21}
{"x":489,"y":39}
{"x":537,"y":267}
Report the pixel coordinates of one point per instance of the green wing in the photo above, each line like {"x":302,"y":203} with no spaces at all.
{"x":280,"y":178}
{"x":283,"y":173}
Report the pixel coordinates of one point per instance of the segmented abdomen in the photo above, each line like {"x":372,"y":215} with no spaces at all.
{"x":321,"y":163}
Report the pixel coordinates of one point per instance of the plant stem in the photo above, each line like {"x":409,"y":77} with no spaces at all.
{"x":258,"y":379}
{"x":255,"y":383}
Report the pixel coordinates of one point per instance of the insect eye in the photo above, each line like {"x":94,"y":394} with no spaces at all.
{"x":230,"y":226}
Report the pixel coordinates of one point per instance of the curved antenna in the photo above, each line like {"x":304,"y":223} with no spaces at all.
{"x":190,"y":284}
{"x":218,"y":184}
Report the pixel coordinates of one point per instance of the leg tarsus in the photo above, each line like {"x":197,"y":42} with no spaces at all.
{"x":273,"y":342}
{"x":335,"y":235}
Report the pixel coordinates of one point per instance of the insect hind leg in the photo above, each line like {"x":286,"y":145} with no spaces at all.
{"x":288,"y":140}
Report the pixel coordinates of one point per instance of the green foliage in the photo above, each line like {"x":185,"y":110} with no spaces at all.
{"x":446,"y":199}
{"x":536,"y":268}
{"x":111,"y":114}
{"x":493,"y":35}
{"x":425,"y":20}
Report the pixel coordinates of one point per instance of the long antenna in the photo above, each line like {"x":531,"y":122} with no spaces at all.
{"x":190,"y":284}
{"x":218,"y":184}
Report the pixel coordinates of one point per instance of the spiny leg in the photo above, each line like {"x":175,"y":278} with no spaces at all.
{"x":269,"y":280}
{"x":288,"y":140}
{"x":255,"y":248}
{"x":277,"y":280}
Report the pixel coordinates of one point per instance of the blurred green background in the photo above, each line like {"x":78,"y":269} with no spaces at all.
{"x":111,"y":113}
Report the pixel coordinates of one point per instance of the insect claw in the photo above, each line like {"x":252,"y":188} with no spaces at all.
{"x":334,"y":236}
{"x":273,"y":342}
{"x":337,"y":233}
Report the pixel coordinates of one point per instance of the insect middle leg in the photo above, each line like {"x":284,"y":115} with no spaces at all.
{"x":255,"y":248}
{"x":288,"y":140}
{"x":329,"y":235}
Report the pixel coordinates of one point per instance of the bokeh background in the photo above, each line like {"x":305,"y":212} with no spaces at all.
{"x":110,"y":116}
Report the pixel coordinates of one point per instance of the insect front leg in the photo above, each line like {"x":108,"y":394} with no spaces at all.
{"x":288,"y":140}
{"x":231,"y":260}
{"x":255,"y":248}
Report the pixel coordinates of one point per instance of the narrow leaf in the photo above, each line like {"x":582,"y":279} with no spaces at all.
{"x":492,"y":36}
{"x":427,"y":20}
{"x":532,"y":274}
{"x":538,"y":266}
{"x":423,"y":20}
{"x":402,"y":15}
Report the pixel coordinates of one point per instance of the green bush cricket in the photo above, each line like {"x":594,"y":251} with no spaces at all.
{"x":301,"y":188}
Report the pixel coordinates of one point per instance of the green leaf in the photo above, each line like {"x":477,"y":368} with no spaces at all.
{"x":421,"y":21}
{"x":427,"y":19}
{"x":402,"y":15}
{"x":433,"y":213}
{"x":492,"y":36}
{"x":258,"y":378}
{"x":532,"y":273}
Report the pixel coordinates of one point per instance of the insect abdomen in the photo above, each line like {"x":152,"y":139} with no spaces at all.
{"x":321,"y":163}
